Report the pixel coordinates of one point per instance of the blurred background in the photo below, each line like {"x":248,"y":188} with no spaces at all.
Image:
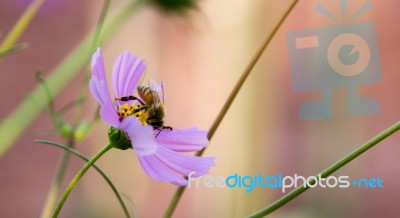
{"x":199,"y":58}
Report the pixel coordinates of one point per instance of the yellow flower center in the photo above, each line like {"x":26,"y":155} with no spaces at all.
{"x":133,"y":110}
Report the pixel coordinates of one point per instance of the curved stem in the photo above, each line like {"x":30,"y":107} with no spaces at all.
{"x":328,"y":171}
{"x":179,"y":192}
{"x":108,"y":180}
{"x":77,"y":177}
{"x":55,"y":186}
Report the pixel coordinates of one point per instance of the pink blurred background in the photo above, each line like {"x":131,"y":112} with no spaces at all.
{"x":199,"y":61}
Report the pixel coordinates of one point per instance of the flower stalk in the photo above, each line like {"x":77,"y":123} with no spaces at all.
{"x":77,"y":177}
{"x":179,"y":192}
{"x":56,"y":185}
{"x":109,"y":182}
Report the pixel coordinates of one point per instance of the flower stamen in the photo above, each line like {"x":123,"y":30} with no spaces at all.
{"x":132,"y":110}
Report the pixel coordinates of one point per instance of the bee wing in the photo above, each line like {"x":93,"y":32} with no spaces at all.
{"x":159,"y":89}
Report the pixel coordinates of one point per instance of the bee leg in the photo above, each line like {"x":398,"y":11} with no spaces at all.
{"x":131,"y":97}
{"x":124,"y":98}
{"x":159,"y":131}
{"x":141,"y":108}
{"x":163,"y":128}
{"x":167,"y":127}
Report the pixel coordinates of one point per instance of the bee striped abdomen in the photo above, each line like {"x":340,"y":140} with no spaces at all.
{"x":146,"y":94}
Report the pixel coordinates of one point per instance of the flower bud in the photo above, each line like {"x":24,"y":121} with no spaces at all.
{"x":118,"y":139}
{"x":65,"y":130}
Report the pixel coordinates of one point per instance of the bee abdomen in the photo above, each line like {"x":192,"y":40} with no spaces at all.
{"x":143,"y":89}
{"x":145,"y":94}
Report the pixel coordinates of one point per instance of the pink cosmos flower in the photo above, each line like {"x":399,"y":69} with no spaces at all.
{"x":159,"y":152}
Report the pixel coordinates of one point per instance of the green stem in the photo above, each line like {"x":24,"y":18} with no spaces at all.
{"x":83,"y":157}
{"x":77,"y":178}
{"x":328,"y":171}
{"x":179,"y":192}
{"x":55,"y":186}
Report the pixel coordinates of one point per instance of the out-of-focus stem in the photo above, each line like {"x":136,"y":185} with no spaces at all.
{"x":100,"y":25}
{"x":105,"y":177}
{"x":21,"y":25}
{"x":76,"y":179}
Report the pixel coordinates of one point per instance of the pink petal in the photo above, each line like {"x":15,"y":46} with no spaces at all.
{"x":159,"y":172}
{"x":126,"y":73}
{"x":141,"y":137}
{"x":183,"y":140}
{"x":170,"y":166}
{"x":184,"y":164}
{"x":98,"y":88}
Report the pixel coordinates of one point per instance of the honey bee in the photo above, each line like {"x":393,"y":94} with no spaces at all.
{"x":151,"y":104}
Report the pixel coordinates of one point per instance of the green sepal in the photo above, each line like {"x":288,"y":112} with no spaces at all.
{"x":118,"y":139}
